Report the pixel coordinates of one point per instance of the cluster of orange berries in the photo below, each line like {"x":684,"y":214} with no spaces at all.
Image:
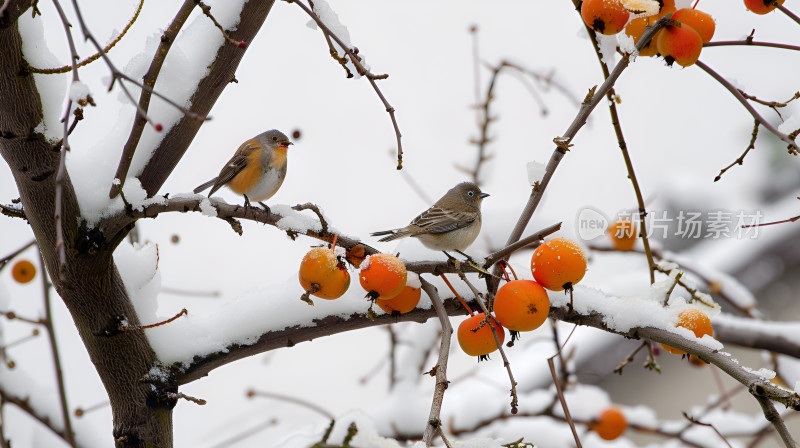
{"x":325,"y":275}
{"x":523,"y":305}
{"x":680,"y":42}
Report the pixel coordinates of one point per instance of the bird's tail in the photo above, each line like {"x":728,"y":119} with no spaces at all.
{"x":393,"y":234}
{"x":205,"y":186}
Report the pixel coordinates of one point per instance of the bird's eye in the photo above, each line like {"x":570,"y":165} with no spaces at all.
{"x":470,"y":193}
{"x":274,"y":139}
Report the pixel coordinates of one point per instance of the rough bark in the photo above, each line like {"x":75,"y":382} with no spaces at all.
{"x":89,"y":283}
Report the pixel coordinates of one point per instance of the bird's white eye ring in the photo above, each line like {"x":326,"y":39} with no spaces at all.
{"x":470,"y":193}
{"x":274,"y":139}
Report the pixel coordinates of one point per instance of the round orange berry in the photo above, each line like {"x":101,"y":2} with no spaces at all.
{"x":665,"y":7}
{"x":521,"y":305}
{"x":694,"y":320}
{"x":384,"y":274}
{"x":604,"y":16}
{"x":636,"y":28}
{"x":23,"y":271}
{"x":681,"y":44}
{"x":702,"y":22}
{"x":623,"y":234}
{"x":402,"y":303}
{"x":558,"y":264}
{"x":475,"y":336}
{"x":611,"y":424}
{"x":320,"y":266}
{"x":762,"y":6}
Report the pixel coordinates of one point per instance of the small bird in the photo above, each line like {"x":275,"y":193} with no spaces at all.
{"x":257,"y":169}
{"x":452,"y":223}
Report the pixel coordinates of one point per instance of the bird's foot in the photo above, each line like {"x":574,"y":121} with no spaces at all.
{"x":246,"y":203}
{"x":470,"y":262}
{"x":265,"y":207}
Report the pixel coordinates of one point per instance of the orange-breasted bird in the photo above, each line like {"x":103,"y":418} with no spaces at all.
{"x":257,"y":169}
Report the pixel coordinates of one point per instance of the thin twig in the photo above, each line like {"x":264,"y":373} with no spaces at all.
{"x":748,"y":42}
{"x":457,"y":295}
{"x":506,"y":363}
{"x":4,"y":6}
{"x":740,"y":160}
{"x":11,"y":256}
{"x":484,"y":121}
{"x":361,"y":71}
{"x":80,"y":412}
{"x":623,"y":146}
{"x":125,"y":327}
{"x":13,"y":211}
{"x":696,"y":295}
{"x":790,"y":14}
{"x":245,"y":434}
{"x":792,"y":145}
{"x":774,"y":105}
{"x":750,"y":312}
{"x":525,"y":242}
{"x":62,"y":167}
{"x":94,"y":57}
{"x":145,"y":96}
{"x":563,"y":142}
{"x":207,"y":11}
{"x":51,"y":335}
{"x":440,"y":370}
{"x":290,"y":399}
{"x":672,"y":287}
{"x":317,"y":211}
{"x":629,"y":359}
{"x":23,"y":403}
{"x":563,"y":401}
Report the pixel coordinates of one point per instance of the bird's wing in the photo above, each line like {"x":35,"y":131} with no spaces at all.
{"x":436,"y":220}
{"x":235,"y":165}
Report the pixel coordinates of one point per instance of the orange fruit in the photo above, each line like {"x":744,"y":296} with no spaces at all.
{"x":604,"y":16}
{"x":321,"y":266}
{"x":623,"y":234}
{"x":384,"y":274}
{"x":23,"y":271}
{"x":762,"y":6}
{"x":680,"y":43}
{"x":666,"y":7}
{"x":404,"y":302}
{"x":477,"y":340}
{"x":521,"y":305}
{"x":558,"y":264}
{"x":636,"y":28}
{"x":694,"y":320}
{"x":700,"y":21}
{"x":611,"y":424}
{"x":697,"y":362}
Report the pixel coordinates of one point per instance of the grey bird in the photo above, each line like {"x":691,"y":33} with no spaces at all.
{"x":452,"y":223}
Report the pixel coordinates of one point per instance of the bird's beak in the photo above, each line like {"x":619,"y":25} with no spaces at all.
{"x":286,"y":144}
{"x":483,"y":195}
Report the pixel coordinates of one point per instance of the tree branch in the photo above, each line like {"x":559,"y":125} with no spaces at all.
{"x":562,"y":143}
{"x":440,"y":369}
{"x":149,"y":80}
{"x":173,"y":146}
{"x":792,"y":145}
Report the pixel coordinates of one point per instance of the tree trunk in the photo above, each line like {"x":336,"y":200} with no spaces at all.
{"x":89,"y":284}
